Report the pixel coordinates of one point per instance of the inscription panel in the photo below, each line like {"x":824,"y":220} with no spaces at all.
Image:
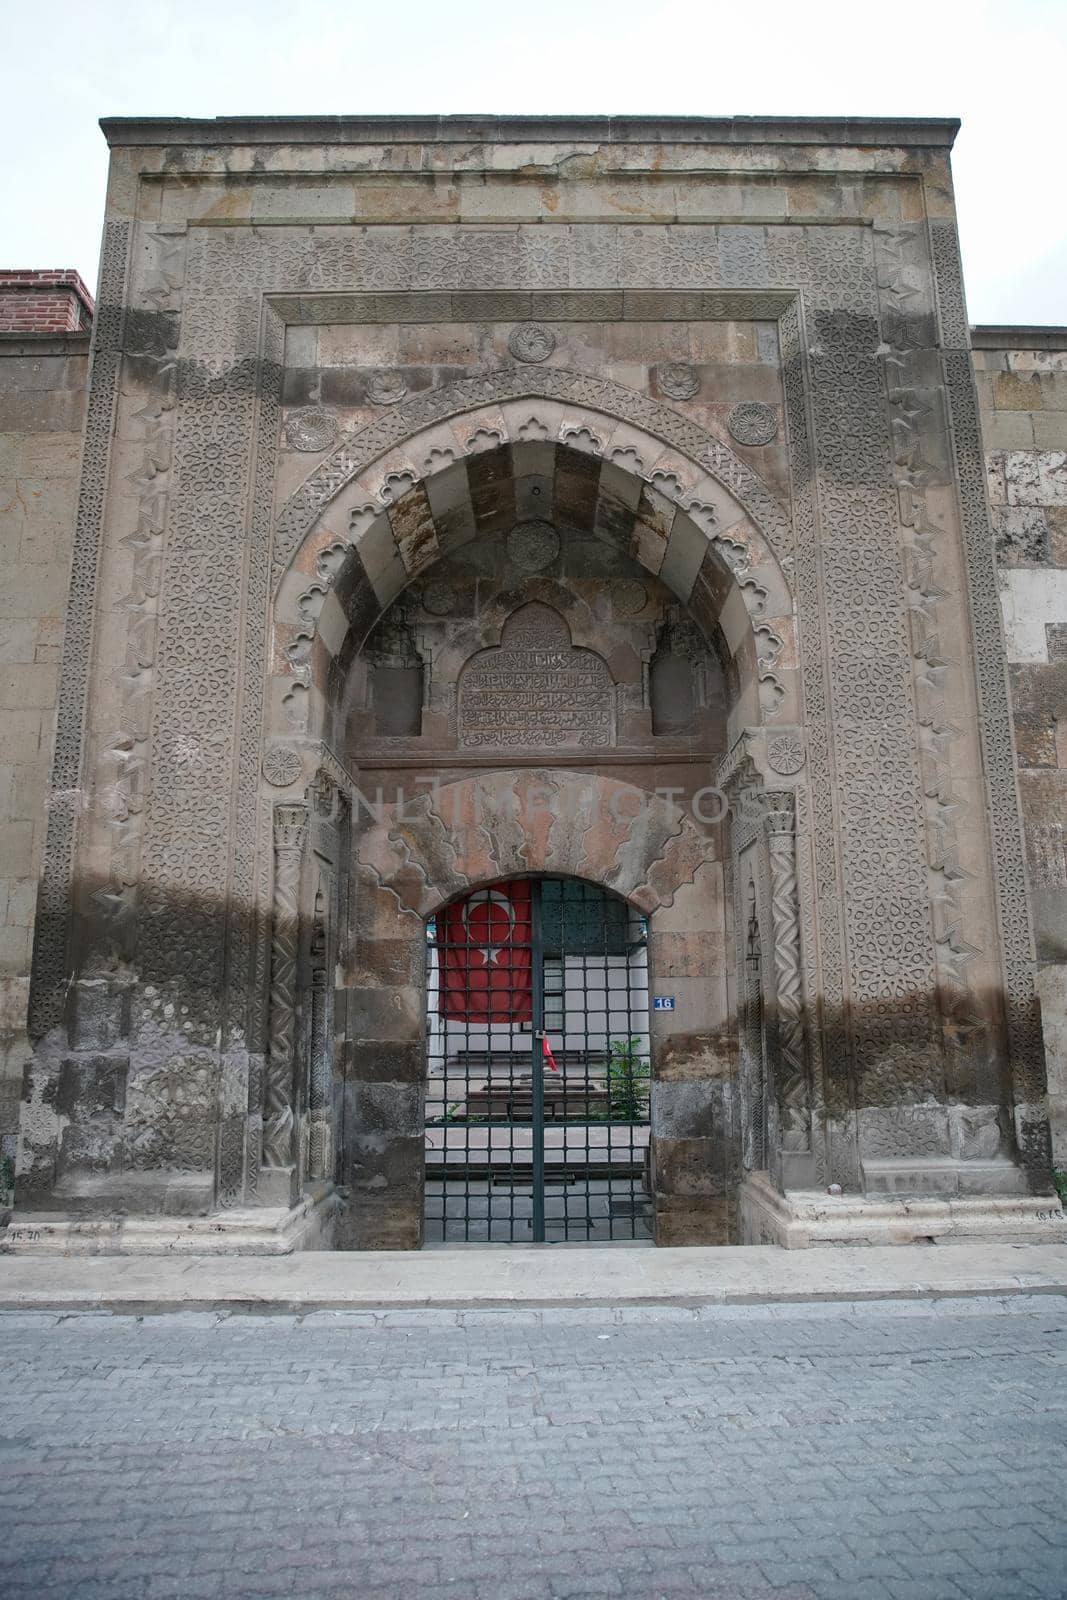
{"x":536,"y":691}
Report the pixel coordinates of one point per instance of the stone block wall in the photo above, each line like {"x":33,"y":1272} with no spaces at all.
{"x":43,"y":378}
{"x":1022,"y":387}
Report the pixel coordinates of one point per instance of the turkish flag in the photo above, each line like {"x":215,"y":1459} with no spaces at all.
{"x":486,"y":955}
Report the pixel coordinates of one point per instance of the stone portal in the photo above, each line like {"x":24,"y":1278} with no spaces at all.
{"x":469,"y":540}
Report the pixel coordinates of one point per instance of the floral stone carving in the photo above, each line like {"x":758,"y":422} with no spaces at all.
{"x":385,"y":388}
{"x":628,"y":597}
{"x":281,"y":766}
{"x":531,"y":341}
{"x":785,"y":754}
{"x":313,"y":429}
{"x":532,"y":546}
{"x":439,"y":599}
{"x":678,"y":380}
{"x":752,"y":423}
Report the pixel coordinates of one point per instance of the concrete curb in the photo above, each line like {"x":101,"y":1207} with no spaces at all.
{"x":475,"y":1278}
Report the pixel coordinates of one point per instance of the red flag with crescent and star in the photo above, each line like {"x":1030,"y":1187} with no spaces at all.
{"x":485,"y":945}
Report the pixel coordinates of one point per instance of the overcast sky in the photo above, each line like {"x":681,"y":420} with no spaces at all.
{"x":1001,"y":68}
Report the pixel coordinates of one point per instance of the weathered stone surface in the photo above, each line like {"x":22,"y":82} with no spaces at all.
{"x":631,"y":432}
{"x":42,"y":410}
{"x":1028,"y":489}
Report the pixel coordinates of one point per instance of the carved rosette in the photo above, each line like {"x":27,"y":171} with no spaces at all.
{"x":385,"y":388}
{"x":752,"y":423}
{"x":531,"y":342}
{"x":281,"y":766}
{"x":628,"y":597}
{"x":439,"y":599}
{"x":785,"y":754}
{"x":290,"y":835}
{"x":533,"y":546}
{"x":312,"y":430}
{"x":678,"y":380}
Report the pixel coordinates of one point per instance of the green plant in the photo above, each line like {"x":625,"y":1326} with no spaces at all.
{"x":1059,"y":1178}
{"x":628,"y":1075}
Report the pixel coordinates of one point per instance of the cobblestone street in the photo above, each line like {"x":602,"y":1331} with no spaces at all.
{"x":828,"y":1452}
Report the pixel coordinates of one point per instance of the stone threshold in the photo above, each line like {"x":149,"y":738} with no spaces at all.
{"x":260,"y":1231}
{"x":810,"y":1219}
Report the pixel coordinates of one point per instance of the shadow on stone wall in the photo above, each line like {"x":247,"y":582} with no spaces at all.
{"x":152,"y":1093}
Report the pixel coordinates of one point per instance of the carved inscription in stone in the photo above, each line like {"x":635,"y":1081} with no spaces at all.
{"x":536,"y":691}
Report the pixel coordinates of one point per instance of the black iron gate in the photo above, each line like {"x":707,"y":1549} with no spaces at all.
{"x":537,"y":1095}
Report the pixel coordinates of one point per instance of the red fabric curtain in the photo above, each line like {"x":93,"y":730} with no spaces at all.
{"x":484,"y":944}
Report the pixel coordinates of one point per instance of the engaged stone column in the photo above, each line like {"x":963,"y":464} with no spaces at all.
{"x":320,"y":1155}
{"x":792,"y":1085}
{"x":278,"y":1172}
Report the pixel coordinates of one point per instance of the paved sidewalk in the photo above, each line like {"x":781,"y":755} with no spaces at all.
{"x":908,"y":1451}
{"x":484,"y":1275}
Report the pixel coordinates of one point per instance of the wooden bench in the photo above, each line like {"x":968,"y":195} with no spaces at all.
{"x":569,"y":1099}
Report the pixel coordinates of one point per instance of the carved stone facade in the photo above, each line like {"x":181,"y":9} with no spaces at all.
{"x":1022,"y":393}
{"x":440,"y":535}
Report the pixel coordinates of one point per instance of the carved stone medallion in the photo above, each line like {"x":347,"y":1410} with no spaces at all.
{"x":532,"y":546}
{"x":678,"y":380}
{"x":385,"y":388}
{"x":281,"y":766}
{"x":628,"y":597}
{"x":752,"y":423}
{"x":313,"y":429}
{"x":439,"y":599}
{"x":531,"y":341}
{"x":536,"y":691}
{"x":785,"y":754}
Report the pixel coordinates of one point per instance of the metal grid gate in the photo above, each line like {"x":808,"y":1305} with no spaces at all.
{"x":537,"y":1095}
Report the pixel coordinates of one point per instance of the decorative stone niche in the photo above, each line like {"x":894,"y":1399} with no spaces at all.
{"x":396,"y":674}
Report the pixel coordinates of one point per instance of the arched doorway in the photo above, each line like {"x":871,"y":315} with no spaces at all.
{"x":501,"y":653}
{"x":538,"y":1067}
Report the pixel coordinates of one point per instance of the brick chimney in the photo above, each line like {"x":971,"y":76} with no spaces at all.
{"x":44,"y":302}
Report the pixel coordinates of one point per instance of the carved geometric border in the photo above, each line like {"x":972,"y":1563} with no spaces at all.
{"x":998,"y":748}
{"x":358,"y":450}
{"x":54,"y":913}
